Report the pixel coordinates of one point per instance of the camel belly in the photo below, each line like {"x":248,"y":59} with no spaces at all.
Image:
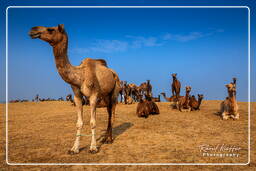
{"x":106,"y":79}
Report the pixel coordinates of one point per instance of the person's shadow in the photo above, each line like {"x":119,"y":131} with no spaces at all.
{"x":116,"y":131}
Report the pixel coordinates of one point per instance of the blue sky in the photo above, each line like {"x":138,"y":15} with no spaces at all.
{"x":206,"y":47}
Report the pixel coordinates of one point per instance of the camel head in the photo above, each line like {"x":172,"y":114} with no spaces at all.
{"x":188,"y":89}
{"x":174,"y":75}
{"x":231,"y":87}
{"x":200,"y":96}
{"x":52,"y":35}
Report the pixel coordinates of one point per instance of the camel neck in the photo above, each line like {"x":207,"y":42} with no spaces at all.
{"x":187,"y":94}
{"x":68,"y":72}
{"x":199,"y":102}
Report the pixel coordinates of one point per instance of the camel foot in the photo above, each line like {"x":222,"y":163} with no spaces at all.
{"x":93,"y":151}
{"x":107,"y":140}
{"x":71,"y":152}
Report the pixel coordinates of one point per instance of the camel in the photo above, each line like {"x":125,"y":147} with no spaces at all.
{"x":168,"y":99}
{"x":153,"y":108}
{"x":146,"y":107}
{"x":234,"y":83}
{"x":143,"y":109}
{"x":121,"y":91}
{"x":175,"y":86}
{"x":145,"y":88}
{"x":194,"y":104}
{"x":229,"y":107}
{"x":156,"y":99}
{"x":183,"y":102}
{"x":92,"y":78}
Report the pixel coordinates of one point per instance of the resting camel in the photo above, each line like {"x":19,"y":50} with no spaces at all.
{"x":175,"y":86}
{"x":183,"y":103}
{"x":146,"y":107}
{"x":168,"y":99}
{"x":194,"y":104}
{"x":229,"y":107}
{"x":156,"y":99}
{"x":92,"y":78}
{"x":143,"y":109}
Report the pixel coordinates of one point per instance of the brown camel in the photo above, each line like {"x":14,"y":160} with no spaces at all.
{"x":156,"y":99}
{"x":143,"y":109}
{"x":234,"y":83}
{"x":92,"y":78}
{"x":194,"y":104}
{"x":175,"y":86}
{"x":168,"y":99}
{"x":229,"y":107}
{"x":183,"y":103}
{"x":145,"y":88}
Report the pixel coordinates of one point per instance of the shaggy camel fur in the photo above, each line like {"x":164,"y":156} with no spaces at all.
{"x":183,"y":103}
{"x":194,"y":104}
{"x":229,"y":107}
{"x":175,"y":86}
{"x":92,"y":78}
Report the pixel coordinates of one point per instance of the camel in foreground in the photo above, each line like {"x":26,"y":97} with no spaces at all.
{"x":229,"y":107}
{"x":92,"y":78}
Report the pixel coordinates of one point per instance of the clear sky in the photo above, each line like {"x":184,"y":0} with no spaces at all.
{"x":206,"y":47}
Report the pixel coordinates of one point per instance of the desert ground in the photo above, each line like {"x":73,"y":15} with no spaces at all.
{"x":43,"y":132}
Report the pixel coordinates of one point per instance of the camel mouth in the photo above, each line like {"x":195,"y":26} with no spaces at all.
{"x":34,"y":35}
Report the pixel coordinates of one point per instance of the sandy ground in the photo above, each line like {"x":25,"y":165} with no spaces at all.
{"x":43,"y":133}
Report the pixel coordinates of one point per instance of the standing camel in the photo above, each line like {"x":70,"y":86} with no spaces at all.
{"x":175,"y":86}
{"x":92,"y":78}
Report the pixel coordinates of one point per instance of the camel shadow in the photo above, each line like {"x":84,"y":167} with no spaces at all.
{"x":118,"y":130}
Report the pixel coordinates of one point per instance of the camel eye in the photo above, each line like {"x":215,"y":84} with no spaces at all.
{"x":50,"y":30}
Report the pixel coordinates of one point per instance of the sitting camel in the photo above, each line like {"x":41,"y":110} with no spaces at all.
{"x":194,"y":104}
{"x":146,"y":107}
{"x":229,"y":107}
{"x":156,"y":99}
{"x":92,"y":78}
{"x":183,"y":102}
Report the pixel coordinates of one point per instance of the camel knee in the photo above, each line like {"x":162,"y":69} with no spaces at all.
{"x":79,"y":124}
{"x":93,"y":124}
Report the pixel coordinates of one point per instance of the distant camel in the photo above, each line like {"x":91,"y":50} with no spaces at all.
{"x":146,"y":107}
{"x":194,"y":104}
{"x":92,"y":78}
{"x":175,"y":86}
{"x":143,"y":109}
{"x":168,"y":99}
{"x":146,"y":88}
{"x":229,"y":107}
{"x":234,"y":83}
{"x":156,"y":99}
{"x":183,"y":103}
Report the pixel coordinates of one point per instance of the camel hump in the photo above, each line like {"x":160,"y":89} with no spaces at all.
{"x":92,"y":62}
{"x":101,"y":62}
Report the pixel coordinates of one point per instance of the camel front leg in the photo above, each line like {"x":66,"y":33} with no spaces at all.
{"x":79,"y":124}
{"x":93,"y":103}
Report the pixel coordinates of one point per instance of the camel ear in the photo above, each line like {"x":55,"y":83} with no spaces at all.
{"x":61,"y":28}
